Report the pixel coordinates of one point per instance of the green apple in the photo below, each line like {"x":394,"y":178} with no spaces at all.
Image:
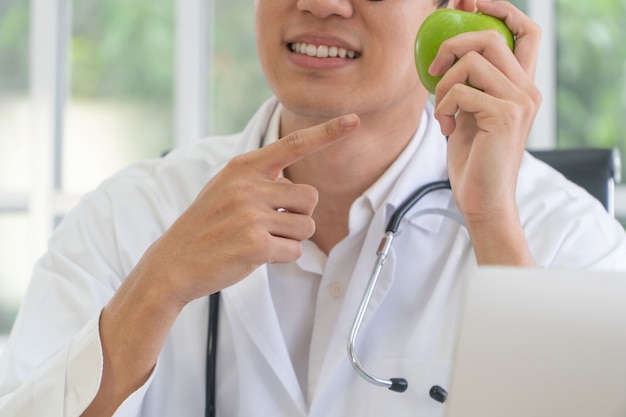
{"x":443,"y":24}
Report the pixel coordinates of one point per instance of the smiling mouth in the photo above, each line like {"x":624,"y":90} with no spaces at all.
{"x":322,"y":51}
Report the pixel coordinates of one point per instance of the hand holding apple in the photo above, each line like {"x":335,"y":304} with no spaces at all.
{"x":487,"y":126}
{"x":444,"y":24}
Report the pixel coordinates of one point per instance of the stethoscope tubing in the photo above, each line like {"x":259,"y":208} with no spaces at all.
{"x":394,"y":384}
{"x":211,"y":355}
{"x":417,"y":195}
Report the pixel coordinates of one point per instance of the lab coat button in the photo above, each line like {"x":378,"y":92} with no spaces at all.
{"x":336,"y":290}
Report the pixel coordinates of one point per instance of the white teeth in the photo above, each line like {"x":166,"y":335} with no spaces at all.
{"x":322,"y":51}
{"x":311,"y":50}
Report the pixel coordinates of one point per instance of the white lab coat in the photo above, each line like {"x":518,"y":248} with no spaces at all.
{"x":52,"y":364}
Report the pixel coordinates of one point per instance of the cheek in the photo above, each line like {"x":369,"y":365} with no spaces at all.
{"x":397,"y":37}
{"x":398,"y":59}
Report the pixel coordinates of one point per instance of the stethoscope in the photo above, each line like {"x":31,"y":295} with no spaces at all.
{"x":436,"y":392}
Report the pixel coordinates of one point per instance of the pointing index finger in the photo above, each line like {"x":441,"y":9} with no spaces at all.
{"x":295,"y":146}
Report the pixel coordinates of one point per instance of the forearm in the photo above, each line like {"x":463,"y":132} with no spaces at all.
{"x":133,"y":329}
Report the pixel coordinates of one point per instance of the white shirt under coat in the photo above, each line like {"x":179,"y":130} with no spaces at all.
{"x":52,"y":364}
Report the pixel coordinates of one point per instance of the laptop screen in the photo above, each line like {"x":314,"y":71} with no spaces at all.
{"x":541,"y":342}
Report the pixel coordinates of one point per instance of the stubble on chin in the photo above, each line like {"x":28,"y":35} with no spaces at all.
{"x":316,"y":107}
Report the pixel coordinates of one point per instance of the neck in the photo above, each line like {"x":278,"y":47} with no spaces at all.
{"x":343,"y":171}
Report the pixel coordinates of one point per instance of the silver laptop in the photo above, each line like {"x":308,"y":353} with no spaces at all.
{"x":541,"y":343}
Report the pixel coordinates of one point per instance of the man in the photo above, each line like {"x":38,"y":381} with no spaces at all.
{"x":287,"y":229}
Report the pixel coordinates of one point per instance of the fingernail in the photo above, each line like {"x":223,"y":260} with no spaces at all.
{"x":432,"y":69}
{"x":349,"y":120}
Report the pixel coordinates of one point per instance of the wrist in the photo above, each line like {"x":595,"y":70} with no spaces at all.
{"x":499,"y":240}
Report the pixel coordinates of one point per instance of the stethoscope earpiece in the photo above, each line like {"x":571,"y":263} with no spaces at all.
{"x":398,"y":384}
{"x":438,"y":394}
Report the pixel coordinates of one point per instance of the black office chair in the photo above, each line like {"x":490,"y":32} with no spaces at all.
{"x":597,"y":170}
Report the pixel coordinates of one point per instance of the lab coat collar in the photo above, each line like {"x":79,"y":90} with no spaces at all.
{"x":263,"y":128}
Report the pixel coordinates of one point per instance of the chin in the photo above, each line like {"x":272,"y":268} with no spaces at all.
{"x":315,"y":106}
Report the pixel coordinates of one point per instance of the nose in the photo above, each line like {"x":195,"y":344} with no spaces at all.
{"x":327,"y":8}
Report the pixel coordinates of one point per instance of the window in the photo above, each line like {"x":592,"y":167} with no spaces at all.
{"x":15,"y":233}
{"x":120,"y":107}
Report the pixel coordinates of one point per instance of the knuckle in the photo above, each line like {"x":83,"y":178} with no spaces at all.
{"x":329,"y":129}
{"x":293,"y":251}
{"x":309,"y":227}
{"x":493,"y":35}
{"x":446,"y":46}
{"x":526,"y":106}
{"x":536,"y":96}
{"x":240,"y":162}
{"x":440,"y":88}
{"x":258,"y":241}
{"x":457,"y":89}
{"x":535,"y":29}
{"x":249,"y":220}
{"x":295,"y":142}
{"x":473,"y":57}
{"x":512,"y":111}
{"x":310,"y":195}
{"x":297,"y":251}
{"x":288,"y":253}
{"x":242,"y":194}
{"x":248,"y":245}
{"x":262,"y":238}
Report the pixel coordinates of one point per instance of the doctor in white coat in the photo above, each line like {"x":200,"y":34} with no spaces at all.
{"x":284,"y":220}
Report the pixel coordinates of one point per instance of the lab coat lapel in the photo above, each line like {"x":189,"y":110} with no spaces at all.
{"x":251,"y":302}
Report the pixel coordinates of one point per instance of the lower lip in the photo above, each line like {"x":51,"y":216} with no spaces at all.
{"x":312,"y":62}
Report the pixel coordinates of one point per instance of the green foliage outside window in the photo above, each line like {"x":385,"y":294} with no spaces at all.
{"x":238,"y":83}
{"x":14,"y":18}
{"x":122,"y":48}
{"x":591,"y":62}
